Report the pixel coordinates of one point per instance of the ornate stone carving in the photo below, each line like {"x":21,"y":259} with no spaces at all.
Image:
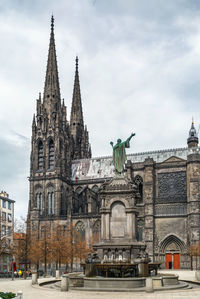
{"x":172,"y":187}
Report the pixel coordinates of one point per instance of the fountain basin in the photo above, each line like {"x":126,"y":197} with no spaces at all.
{"x":114,"y":283}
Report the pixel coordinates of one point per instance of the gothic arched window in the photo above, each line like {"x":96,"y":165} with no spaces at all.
{"x":63,"y":204}
{"x":95,"y":188}
{"x":39,"y":201}
{"x":40,"y":156}
{"x":51,"y":203}
{"x":51,"y":154}
{"x":139,"y":183}
{"x":80,"y":228}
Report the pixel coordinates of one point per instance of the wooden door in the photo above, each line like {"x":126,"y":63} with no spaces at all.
{"x":168,"y":258}
{"x":176,"y":260}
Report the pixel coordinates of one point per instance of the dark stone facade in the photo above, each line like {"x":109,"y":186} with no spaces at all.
{"x":66,"y":183}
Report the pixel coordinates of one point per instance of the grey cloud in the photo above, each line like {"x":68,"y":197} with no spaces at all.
{"x":139,"y":71}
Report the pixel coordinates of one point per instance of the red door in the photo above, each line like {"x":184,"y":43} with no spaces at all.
{"x":168,"y":257}
{"x":176,"y":260}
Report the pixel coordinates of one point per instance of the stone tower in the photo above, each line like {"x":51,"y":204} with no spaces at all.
{"x":50,"y":170}
{"x":80,"y":141}
{"x":193,"y":186}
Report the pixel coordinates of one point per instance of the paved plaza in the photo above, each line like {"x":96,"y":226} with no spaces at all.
{"x":30,"y":292}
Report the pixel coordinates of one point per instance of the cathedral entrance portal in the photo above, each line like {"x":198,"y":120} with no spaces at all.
{"x":172,"y":247}
{"x":172,"y":260}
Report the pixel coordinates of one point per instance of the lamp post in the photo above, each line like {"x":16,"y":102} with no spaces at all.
{"x":12,"y":267}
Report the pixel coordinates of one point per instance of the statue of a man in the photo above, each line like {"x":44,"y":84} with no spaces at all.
{"x":119,"y":153}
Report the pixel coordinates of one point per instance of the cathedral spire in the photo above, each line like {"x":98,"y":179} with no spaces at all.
{"x":193,"y":139}
{"x":51,"y":87}
{"x":76,"y":119}
{"x":79,"y":134}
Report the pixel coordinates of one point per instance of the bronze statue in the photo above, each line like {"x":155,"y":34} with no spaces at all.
{"x":119,"y":153}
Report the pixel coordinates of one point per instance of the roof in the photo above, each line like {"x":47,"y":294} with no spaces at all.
{"x":8,"y":199}
{"x":102,"y":167}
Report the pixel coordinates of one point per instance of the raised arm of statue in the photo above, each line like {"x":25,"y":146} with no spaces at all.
{"x":129,"y":138}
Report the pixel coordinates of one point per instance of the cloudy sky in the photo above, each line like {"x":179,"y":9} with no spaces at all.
{"x":139,"y":72}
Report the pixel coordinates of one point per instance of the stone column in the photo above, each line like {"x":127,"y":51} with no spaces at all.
{"x":107,"y":223}
{"x":129,"y":217}
{"x":148,"y":194}
{"x":193,"y":191}
{"x":103,"y":226}
{"x":131,"y":229}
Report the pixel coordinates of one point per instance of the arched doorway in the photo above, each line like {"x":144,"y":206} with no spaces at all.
{"x":172,"y":247}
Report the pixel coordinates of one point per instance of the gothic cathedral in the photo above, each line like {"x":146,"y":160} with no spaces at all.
{"x":66,"y":184}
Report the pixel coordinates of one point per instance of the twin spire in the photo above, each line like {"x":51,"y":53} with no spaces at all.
{"x":52,"y":101}
{"x":52,"y":87}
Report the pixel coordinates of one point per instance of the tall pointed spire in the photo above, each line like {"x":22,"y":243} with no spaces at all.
{"x":79,"y":134}
{"x":76,"y":119}
{"x":51,"y":87}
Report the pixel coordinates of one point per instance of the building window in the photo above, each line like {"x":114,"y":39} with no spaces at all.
{"x":80,"y":228}
{"x":95,"y":188}
{"x":3,"y":216}
{"x":39,"y":202}
{"x":3,"y":230}
{"x":40,"y":156}
{"x":139,"y":183}
{"x":51,"y":154}
{"x":51,"y":210}
{"x":9,"y":205}
{"x":4,"y":203}
{"x":9,"y":230}
{"x":9,"y":217}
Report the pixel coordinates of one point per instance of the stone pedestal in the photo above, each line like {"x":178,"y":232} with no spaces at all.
{"x":149,"y":285}
{"x":118,"y":221}
{"x":34,"y":278}
{"x":57,"y":274}
{"x":64,"y":283}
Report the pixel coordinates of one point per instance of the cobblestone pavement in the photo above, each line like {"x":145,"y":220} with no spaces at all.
{"x":30,"y":292}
